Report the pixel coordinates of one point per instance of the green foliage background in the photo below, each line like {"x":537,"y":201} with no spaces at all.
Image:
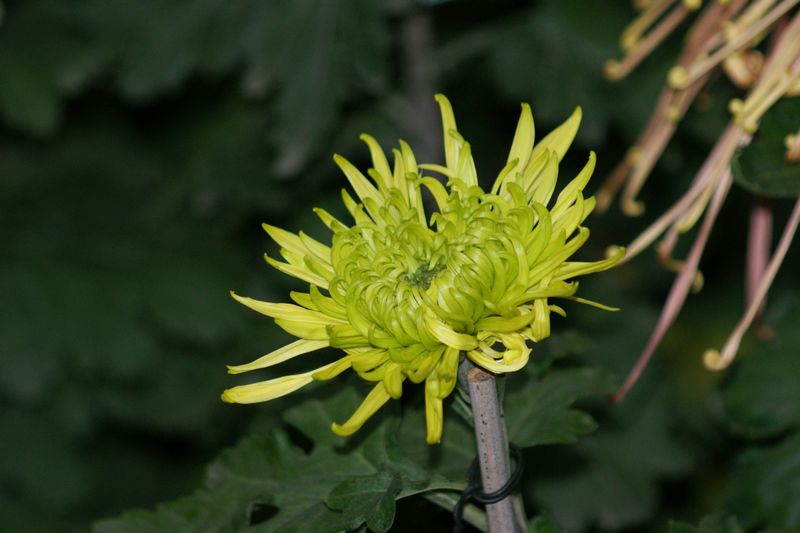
{"x":143,"y":142}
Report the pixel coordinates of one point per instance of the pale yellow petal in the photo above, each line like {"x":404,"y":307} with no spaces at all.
{"x":434,"y":419}
{"x":280,"y":355}
{"x":522,"y":144}
{"x":379,"y":162}
{"x":451,"y":143}
{"x":264,"y":391}
{"x":364,"y":189}
{"x":286,"y":239}
{"x":541,"y":183}
{"x":374,"y":401}
{"x":322,"y":251}
{"x":286,"y":311}
{"x":580,"y":268}
{"x":329,"y":220}
{"x":447,"y":372}
{"x":393,"y":380}
{"x":593,"y":303}
{"x":299,"y":272}
{"x":514,"y":357}
{"x":466,"y":166}
{"x":444,"y":334}
{"x":574,"y":188}
{"x":332,"y":370}
{"x":560,"y":138}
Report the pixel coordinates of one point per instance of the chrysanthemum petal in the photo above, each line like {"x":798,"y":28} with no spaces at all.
{"x":299,"y":272}
{"x":423,"y":367}
{"x":379,"y":162}
{"x":592,"y":303}
{"x":466,"y":166}
{"x":573,"y":188}
{"x":576,"y":268}
{"x":332,"y":370}
{"x":560,"y":138}
{"x":437,"y":190}
{"x":322,"y":251}
{"x":504,"y":325}
{"x":540,"y":325}
{"x":263,"y":391}
{"x":514,"y":357}
{"x":560,"y":253}
{"x":286,"y":239}
{"x":345,"y":336}
{"x":329,"y":220}
{"x":522,"y":144}
{"x":444,"y":334}
{"x":280,"y":355}
{"x":451,"y":144}
{"x":555,"y":288}
{"x":434,"y":419}
{"x":366,"y":359}
{"x":304,"y":330}
{"x":364,"y":189}
{"x":541,"y":183}
{"x":408,"y":180}
{"x":504,"y":174}
{"x":286,"y":311}
{"x":393,"y":380}
{"x":447,"y":372}
{"x":374,"y":401}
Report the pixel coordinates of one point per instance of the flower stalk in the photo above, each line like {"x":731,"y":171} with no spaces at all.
{"x":492,"y":444}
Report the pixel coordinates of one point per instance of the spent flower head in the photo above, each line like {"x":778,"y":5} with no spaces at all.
{"x":404,"y":294}
{"x":756,"y":45}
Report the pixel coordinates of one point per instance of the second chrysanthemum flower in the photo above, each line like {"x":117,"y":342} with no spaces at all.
{"x":403,"y":294}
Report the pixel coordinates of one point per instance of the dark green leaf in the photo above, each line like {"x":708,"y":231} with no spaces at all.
{"x":762,"y":166}
{"x":538,"y":411}
{"x":611,"y":477}
{"x":763,"y":396}
{"x":367,"y":499}
{"x":765,"y":489}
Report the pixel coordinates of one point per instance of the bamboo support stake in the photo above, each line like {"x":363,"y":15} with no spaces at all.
{"x":492,"y":444}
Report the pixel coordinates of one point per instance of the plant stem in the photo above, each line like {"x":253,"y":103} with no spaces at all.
{"x":490,"y":436}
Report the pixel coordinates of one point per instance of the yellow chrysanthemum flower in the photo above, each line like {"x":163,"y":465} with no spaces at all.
{"x":403,"y":296}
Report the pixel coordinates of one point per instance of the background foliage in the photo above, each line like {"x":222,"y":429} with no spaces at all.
{"x":142,"y":143}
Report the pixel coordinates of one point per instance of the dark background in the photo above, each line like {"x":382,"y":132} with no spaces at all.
{"x":143,"y":142}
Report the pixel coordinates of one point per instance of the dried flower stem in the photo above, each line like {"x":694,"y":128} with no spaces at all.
{"x":715,"y":360}
{"x":680,"y":288}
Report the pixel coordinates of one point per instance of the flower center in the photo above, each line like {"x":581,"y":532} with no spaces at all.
{"x":394,"y":274}
{"x":423,"y":276}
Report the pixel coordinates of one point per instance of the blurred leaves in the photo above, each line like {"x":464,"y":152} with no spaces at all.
{"x":554,"y":58}
{"x":710,"y":524}
{"x":344,"y":483}
{"x":613,"y":476}
{"x":152,"y":48}
{"x":766,"y":488}
{"x":762,"y":399}
{"x":761,"y":404}
{"x":540,"y":412}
